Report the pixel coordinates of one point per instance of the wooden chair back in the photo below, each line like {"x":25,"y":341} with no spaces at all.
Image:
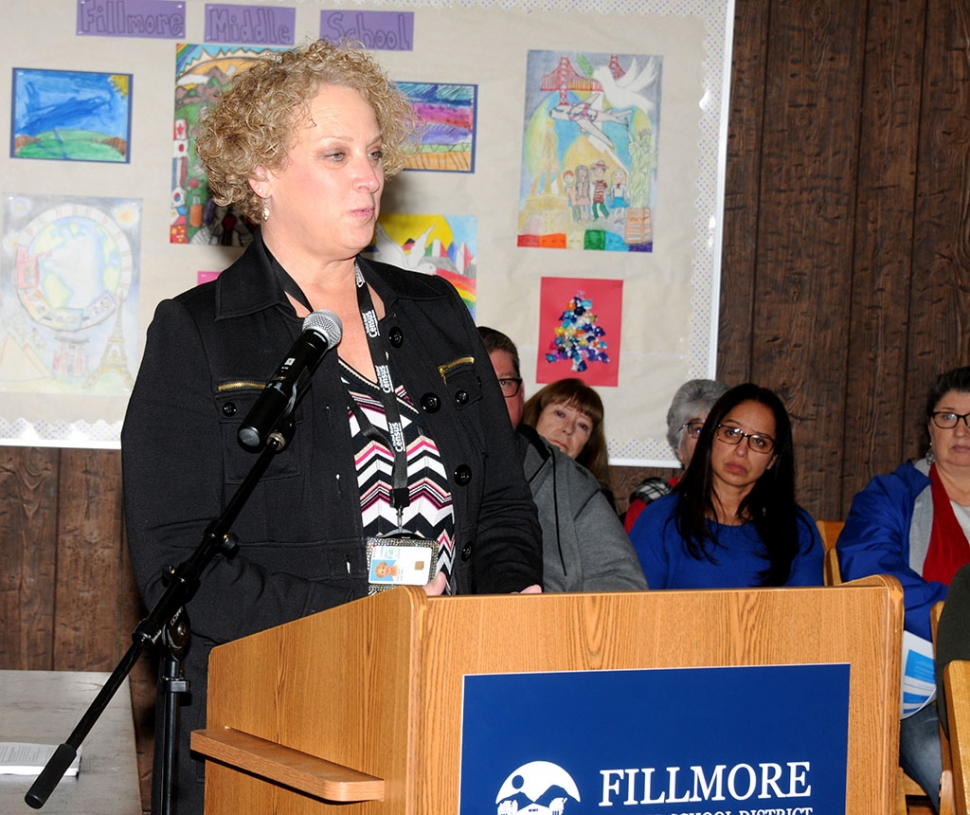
{"x":947,"y":788}
{"x":956,"y":683}
{"x":829,"y":532}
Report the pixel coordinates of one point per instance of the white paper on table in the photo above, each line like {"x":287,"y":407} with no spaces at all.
{"x":21,"y":758}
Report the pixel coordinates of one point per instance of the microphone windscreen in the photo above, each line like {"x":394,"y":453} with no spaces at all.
{"x":326,"y":323}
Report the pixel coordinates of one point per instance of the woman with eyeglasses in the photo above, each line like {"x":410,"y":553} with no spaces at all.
{"x":914,"y":524}
{"x":584,"y":547}
{"x":685,"y":418}
{"x":732,"y":520}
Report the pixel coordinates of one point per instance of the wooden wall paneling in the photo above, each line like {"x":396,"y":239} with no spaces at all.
{"x":743,"y":171}
{"x":98,"y":603}
{"x":28,"y":523}
{"x":874,"y":438}
{"x":89,"y":564}
{"x":939,"y":336}
{"x":623,"y":480}
{"x":804,"y":252}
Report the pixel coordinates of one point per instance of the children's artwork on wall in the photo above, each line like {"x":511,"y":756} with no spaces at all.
{"x":581,"y":86}
{"x":443,"y":245}
{"x":71,"y":115}
{"x":448,"y":113}
{"x":201,"y":71}
{"x":579,"y":330}
{"x":590,"y":151}
{"x":69,"y":319}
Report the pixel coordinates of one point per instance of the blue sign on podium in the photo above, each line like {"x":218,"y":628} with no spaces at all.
{"x":752,"y":740}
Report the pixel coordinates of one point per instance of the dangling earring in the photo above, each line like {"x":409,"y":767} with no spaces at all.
{"x":265,"y":211}
{"x":930,"y":455}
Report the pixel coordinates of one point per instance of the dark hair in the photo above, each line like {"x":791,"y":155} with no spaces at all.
{"x":956,"y":380}
{"x":770,"y":505}
{"x":495,"y":340}
{"x":577,"y":394}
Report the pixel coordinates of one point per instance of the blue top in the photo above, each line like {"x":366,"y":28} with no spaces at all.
{"x":739,"y":558}
{"x":875,"y":540}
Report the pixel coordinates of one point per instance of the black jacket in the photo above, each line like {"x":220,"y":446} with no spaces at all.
{"x":952,"y":635}
{"x":208,"y":354}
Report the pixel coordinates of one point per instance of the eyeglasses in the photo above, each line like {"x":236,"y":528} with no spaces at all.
{"x":510,"y":387}
{"x":693,"y":428}
{"x":733,"y":435}
{"x":945,"y":420}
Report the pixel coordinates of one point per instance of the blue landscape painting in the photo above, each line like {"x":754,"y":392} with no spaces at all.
{"x":71,"y":115}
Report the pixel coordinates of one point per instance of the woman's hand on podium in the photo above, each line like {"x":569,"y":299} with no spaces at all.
{"x":437,"y":586}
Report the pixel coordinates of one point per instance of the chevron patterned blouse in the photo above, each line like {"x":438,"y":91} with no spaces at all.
{"x":430,"y":514}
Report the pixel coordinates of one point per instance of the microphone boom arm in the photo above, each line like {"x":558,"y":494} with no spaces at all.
{"x":183,"y":582}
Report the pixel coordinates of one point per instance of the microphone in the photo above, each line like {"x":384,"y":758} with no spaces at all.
{"x":321,"y":330}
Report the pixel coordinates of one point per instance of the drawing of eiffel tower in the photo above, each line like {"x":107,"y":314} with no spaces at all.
{"x":114,"y":357}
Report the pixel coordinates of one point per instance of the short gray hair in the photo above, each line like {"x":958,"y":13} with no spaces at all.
{"x":694,"y":397}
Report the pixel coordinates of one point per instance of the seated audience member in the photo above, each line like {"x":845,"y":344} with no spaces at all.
{"x":732,"y":521}
{"x":913,"y":524}
{"x":569,"y":414}
{"x":583,"y":542}
{"x":685,"y":418}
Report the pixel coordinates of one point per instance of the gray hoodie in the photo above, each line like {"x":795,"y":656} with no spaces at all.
{"x":584,"y":545}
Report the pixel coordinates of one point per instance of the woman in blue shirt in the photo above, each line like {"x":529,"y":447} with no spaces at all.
{"x":732,"y":521}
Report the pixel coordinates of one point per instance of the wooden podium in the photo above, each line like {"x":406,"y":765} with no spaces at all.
{"x":359,"y":709}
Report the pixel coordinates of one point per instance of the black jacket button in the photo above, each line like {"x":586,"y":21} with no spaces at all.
{"x":430,"y":402}
{"x":461,"y":397}
{"x":463,"y":474}
{"x":229,"y":409}
{"x":466,"y":552}
{"x":396,"y":337}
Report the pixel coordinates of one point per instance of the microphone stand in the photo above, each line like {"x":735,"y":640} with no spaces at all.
{"x":168,"y":616}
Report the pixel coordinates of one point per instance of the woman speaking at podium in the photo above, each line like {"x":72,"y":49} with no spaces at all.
{"x":302,"y":143}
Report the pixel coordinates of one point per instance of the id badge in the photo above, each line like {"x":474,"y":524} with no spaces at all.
{"x":400,"y":562}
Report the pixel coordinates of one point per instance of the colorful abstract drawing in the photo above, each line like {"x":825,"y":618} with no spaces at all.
{"x":71,"y":115}
{"x":69,"y":318}
{"x":590,"y":151}
{"x":201,"y":71}
{"x":579,"y":330}
{"x":443,"y":245}
{"x":448,"y":114}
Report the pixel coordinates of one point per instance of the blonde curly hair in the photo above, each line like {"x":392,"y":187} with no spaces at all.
{"x":255,"y":120}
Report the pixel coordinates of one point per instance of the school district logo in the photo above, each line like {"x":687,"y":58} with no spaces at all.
{"x":537,"y":787}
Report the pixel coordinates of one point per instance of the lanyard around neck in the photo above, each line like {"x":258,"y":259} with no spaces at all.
{"x":290,"y":286}
{"x":400,"y":495}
